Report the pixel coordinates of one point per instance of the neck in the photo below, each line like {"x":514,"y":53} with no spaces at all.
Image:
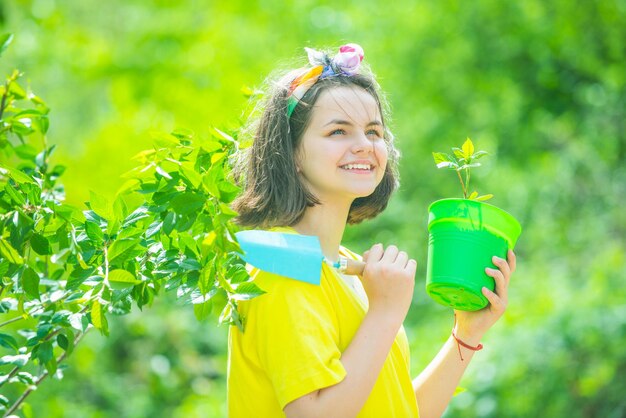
{"x":326,"y":221}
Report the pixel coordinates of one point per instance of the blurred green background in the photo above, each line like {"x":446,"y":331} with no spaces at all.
{"x":540,"y":85}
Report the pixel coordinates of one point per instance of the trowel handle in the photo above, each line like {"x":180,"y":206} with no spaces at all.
{"x":354,"y":267}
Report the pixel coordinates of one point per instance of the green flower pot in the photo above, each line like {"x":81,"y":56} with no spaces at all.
{"x":463,"y":237}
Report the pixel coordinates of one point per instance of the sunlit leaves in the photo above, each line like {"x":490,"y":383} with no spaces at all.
{"x":65,"y":270}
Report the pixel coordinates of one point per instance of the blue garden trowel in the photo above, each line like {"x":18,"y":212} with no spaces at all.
{"x":295,"y":256}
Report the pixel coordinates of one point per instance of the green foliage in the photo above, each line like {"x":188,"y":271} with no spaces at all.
{"x":65,"y":271}
{"x":462,"y":160}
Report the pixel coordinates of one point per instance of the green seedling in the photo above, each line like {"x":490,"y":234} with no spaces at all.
{"x":462,"y":160}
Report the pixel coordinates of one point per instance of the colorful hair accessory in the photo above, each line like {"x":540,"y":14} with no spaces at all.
{"x":346,"y":62}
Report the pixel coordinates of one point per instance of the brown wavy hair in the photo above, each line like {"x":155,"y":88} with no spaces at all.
{"x":273,"y":194}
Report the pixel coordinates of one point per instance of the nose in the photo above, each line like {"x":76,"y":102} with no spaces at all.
{"x":362,"y":144}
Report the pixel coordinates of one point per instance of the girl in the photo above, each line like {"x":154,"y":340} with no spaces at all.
{"x":322,"y":157}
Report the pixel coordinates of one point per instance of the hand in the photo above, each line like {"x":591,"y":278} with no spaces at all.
{"x":471,"y":326}
{"x":388,"y":279}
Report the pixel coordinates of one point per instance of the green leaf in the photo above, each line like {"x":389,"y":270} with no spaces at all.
{"x":18,"y":175}
{"x":93,"y":231}
{"x":448,"y":164}
{"x":468,"y":149}
{"x":443,"y":160}
{"x":65,"y":340}
{"x":43,"y":352}
{"x":246,"y":291}
{"x":17,"y":360}
{"x":479,"y":154}
{"x":24,"y":151}
{"x":121,"y":247}
{"x":15,"y":195}
{"x":484,"y":197}
{"x":9,"y":253}
{"x":120,"y":210}
{"x":169,"y":222}
{"x":5,"y":41}
{"x":473,"y":195}
{"x":8,"y":341}
{"x":190,"y":174}
{"x":26,"y":378}
{"x":40,"y":244}
{"x":122,"y":279}
{"x":101,"y":206}
{"x":163,"y":173}
{"x":79,"y":321}
{"x":30,"y":283}
{"x":98,"y":318}
{"x":466,"y":166}
{"x":202,"y":310}
{"x":4,"y":268}
{"x":187,"y":202}
{"x":224,"y":135}
{"x":458,"y":153}
{"x":62,"y":341}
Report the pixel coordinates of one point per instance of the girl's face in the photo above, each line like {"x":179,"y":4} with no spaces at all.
{"x":343,"y":154}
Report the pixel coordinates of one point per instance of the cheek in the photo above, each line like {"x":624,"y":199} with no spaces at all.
{"x":382,"y":154}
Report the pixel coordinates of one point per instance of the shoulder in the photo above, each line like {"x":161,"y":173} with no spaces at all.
{"x":281,"y":290}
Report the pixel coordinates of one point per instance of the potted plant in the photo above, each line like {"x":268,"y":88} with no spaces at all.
{"x":464,"y":234}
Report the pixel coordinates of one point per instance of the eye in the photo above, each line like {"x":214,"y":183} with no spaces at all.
{"x":338,"y":132}
{"x":374,"y":132}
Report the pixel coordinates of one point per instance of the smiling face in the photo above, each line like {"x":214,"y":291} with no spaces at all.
{"x":343,"y":154}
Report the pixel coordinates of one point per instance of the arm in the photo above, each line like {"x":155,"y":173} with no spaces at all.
{"x":435,"y":386}
{"x":388,"y":280}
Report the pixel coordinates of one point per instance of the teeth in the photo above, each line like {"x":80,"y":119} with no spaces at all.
{"x":357,"y":167}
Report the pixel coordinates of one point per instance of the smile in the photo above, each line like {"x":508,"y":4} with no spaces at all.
{"x":367,"y":167}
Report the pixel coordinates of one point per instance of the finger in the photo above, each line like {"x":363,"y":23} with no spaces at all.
{"x":503,"y":266}
{"x":498,"y":277}
{"x":402,"y":259}
{"x":391,"y":253}
{"x":512,"y":258}
{"x":497,"y":303}
{"x":375,"y":253}
{"x":365,"y":255}
{"x":411,"y":265}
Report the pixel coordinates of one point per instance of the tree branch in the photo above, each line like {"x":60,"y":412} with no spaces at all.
{"x":40,"y":378}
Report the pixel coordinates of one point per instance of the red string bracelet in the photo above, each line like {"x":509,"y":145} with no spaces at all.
{"x":460,"y":342}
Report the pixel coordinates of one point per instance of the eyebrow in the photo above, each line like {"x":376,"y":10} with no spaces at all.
{"x":345,"y":122}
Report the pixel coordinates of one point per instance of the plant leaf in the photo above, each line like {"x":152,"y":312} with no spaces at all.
{"x":120,"y":247}
{"x":247,"y":290}
{"x":30,"y":283}
{"x":440,"y":157}
{"x":122,"y":279}
{"x":9,"y":253}
{"x":484,"y":197}
{"x":8,"y":341}
{"x":98,"y":319}
{"x":202,"y":310}
{"x":473,"y":195}
{"x":468,"y":149}
{"x":101,"y":206}
{"x":40,"y":244}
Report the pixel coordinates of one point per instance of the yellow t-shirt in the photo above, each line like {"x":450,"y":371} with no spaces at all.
{"x":292,"y":344}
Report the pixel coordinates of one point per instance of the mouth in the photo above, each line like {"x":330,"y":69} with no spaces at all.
{"x":357,"y":167}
